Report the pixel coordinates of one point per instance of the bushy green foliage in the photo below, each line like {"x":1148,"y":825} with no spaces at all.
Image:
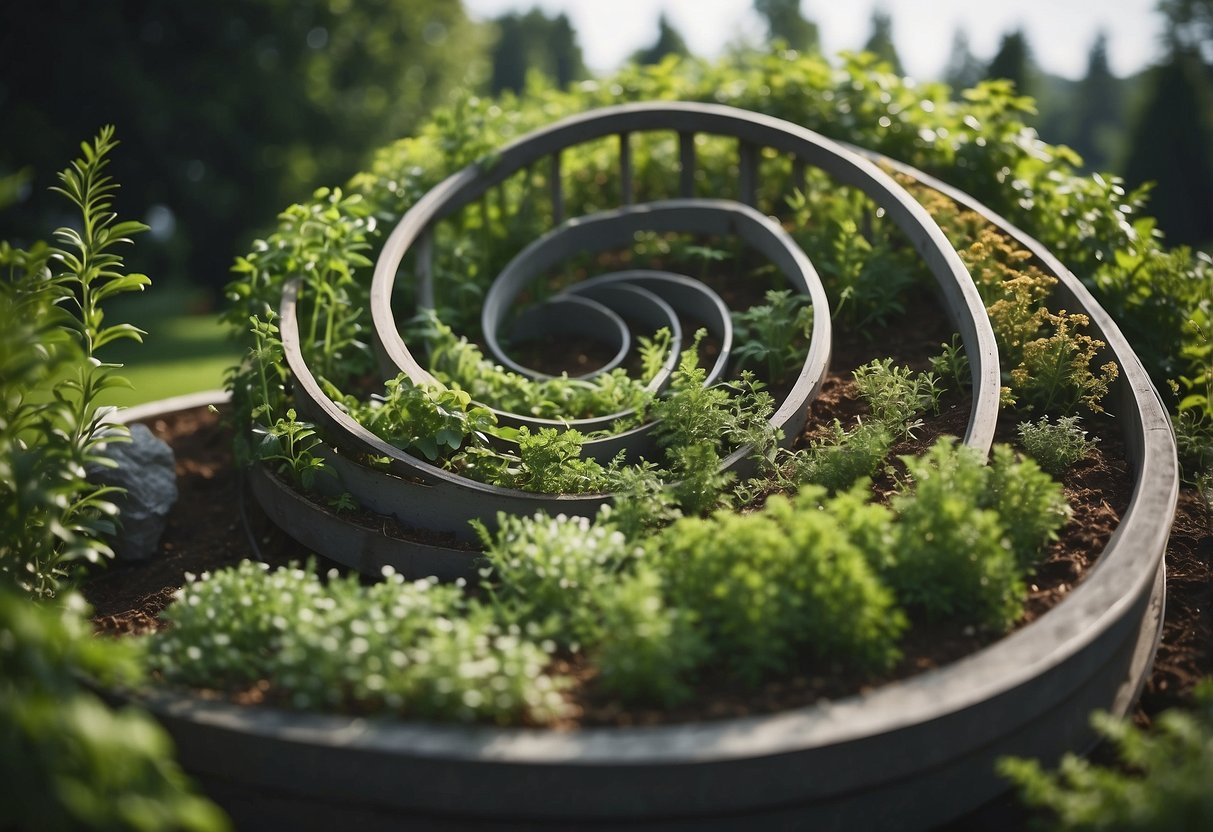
{"x":843,"y":458}
{"x":952,"y":557}
{"x":322,"y":243}
{"x":551,"y":571}
{"x":693,"y":413}
{"x":425,"y":419}
{"x":699,"y":485}
{"x":551,"y":463}
{"x":767,"y":586}
{"x":1161,"y":783}
{"x":66,"y":760}
{"x":896,"y":395}
{"x":722,"y":417}
{"x":641,"y":502}
{"x":1055,"y":445}
{"x":411,"y":648}
{"x":51,"y":329}
{"x":1031,"y":505}
{"x":647,"y":649}
{"x":967,"y":533}
{"x":585,"y":586}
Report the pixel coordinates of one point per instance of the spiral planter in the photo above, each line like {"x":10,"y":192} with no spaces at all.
{"x":908,"y":755}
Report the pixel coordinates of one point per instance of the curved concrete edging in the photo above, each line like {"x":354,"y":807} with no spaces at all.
{"x":459,"y":189}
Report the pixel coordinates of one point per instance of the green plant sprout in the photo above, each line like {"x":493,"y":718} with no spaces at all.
{"x":775,"y":333}
{"x":1055,"y":445}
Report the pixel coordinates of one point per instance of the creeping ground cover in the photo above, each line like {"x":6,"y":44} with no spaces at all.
{"x":819,"y":554}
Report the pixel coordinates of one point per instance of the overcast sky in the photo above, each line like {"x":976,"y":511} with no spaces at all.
{"x":1060,"y":32}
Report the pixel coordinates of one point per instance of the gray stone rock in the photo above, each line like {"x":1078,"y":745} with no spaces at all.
{"x":146,"y":469}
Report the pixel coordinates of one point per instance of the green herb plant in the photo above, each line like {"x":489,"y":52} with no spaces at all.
{"x":66,"y":760}
{"x":1161,"y":780}
{"x":52,"y":300}
{"x":896,"y":395}
{"x":863,"y":272}
{"x":414,"y":648}
{"x":775,"y":334}
{"x":1055,"y":445}
{"x":968,"y":533}
{"x":952,"y":365}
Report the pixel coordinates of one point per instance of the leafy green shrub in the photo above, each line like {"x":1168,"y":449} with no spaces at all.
{"x":952,"y":556}
{"x":647,"y":649}
{"x":551,"y":572}
{"x":699,"y":486}
{"x":324,"y":242}
{"x":1163,"y":782}
{"x":968,"y":532}
{"x":411,"y":648}
{"x":1055,"y":445}
{"x":66,"y":760}
{"x":583,"y":585}
{"x":641,"y":501}
{"x":1030,"y":504}
{"x":836,"y":461}
{"x":50,"y":515}
{"x":692,"y":413}
{"x":429,"y":420}
{"x":551,"y":463}
{"x":766,"y":585}
{"x":863,"y":274}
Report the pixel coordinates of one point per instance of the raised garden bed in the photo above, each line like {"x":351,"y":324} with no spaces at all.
{"x":910,"y":753}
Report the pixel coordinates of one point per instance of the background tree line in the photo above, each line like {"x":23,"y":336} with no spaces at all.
{"x":231,"y":110}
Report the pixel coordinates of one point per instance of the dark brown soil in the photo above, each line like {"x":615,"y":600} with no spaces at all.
{"x":1185,"y":655}
{"x":205,"y":531}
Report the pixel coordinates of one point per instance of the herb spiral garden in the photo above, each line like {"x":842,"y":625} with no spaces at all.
{"x":670,"y":463}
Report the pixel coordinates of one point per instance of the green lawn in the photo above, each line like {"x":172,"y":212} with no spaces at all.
{"x":184,"y":350}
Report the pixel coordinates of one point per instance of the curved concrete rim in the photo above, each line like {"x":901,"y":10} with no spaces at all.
{"x":849,"y":168}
